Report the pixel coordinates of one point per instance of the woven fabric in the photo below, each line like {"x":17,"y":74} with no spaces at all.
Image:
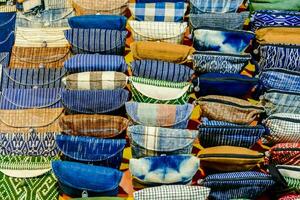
{"x":7,"y":21}
{"x":39,"y":57}
{"x":161,"y":51}
{"x":160,"y":11}
{"x":280,"y":79}
{"x":288,"y":5}
{"x":57,"y":4}
{"x":11,"y":99}
{"x":95,"y":81}
{"x":32,"y":78}
{"x":291,"y":175}
{"x":221,"y":63}
{"x":7,"y":8}
{"x":4,"y":59}
{"x":96,"y":41}
{"x":173,"y":192}
{"x":217,"y":6}
{"x":283,"y":128}
{"x":178,"y":169}
{"x":229,"y":109}
{"x":265,"y":18}
{"x":23,"y":178}
{"x":44,"y":19}
{"x":284,"y":154}
{"x":155,"y":141}
{"x":102,"y":126}
{"x":90,"y":150}
{"x":242,"y":136}
{"x":28,"y":144}
{"x":231,"y":21}
{"x":76,"y":179}
{"x":159,"y":115}
{"x":273,"y":35}
{"x":289,"y":197}
{"x":7,"y":40}
{"x":234,"y":42}
{"x":107,"y":7}
{"x":285,"y":57}
{"x":157,"y":91}
{"x":171,"y":32}
{"x":96,"y":101}
{"x":95,"y":62}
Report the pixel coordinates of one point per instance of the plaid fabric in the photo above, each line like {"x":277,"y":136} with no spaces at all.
{"x":265,"y":18}
{"x":28,"y":144}
{"x":96,"y":41}
{"x":159,"y":115}
{"x":32,"y":78}
{"x":12,"y":99}
{"x":173,"y":192}
{"x":44,"y":19}
{"x":284,"y":154}
{"x":7,"y":40}
{"x":155,"y":141}
{"x":221,"y":63}
{"x":90,"y":150}
{"x":280,"y":79}
{"x":57,"y":4}
{"x":160,"y":11}
{"x":4,"y":59}
{"x":242,"y":136}
{"x":218,"y":6}
{"x":230,"y":21}
{"x":39,"y":57}
{"x":283,"y":128}
{"x":286,"y":57}
{"x":155,"y":69}
{"x":95,"y":62}
{"x":107,"y":7}
{"x":172,"y":32}
{"x":159,"y":92}
{"x":95,"y":81}
{"x":229,"y":109}
{"x":102,"y":126}
{"x":96,"y":101}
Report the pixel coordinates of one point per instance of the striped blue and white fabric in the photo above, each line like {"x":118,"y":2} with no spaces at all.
{"x":214,"y":6}
{"x":95,"y":62}
{"x":32,"y":78}
{"x":160,"y":11}
{"x":95,"y":101}
{"x":91,"y":150}
{"x":155,"y":69}
{"x":4,"y":59}
{"x":12,"y":99}
{"x":100,"y":41}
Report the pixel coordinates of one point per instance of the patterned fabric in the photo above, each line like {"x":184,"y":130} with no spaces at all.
{"x":96,"y":41}
{"x":280,"y":79}
{"x":265,"y":18}
{"x":154,"y":141}
{"x":216,"y":6}
{"x":283,"y":128}
{"x":95,"y":81}
{"x":96,"y":101}
{"x":291,"y":175}
{"x":284,"y":154}
{"x":4,"y":59}
{"x":57,"y":4}
{"x":160,"y":11}
{"x":159,"y":115}
{"x":12,"y":99}
{"x":95,"y":62}
{"x":90,"y":150}
{"x":159,"y":92}
{"x":231,"y":21}
{"x":229,"y":109}
{"x":286,"y":57}
{"x":32,"y":78}
{"x":29,"y":144}
{"x":24,"y":178}
{"x":172,"y":32}
{"x":107,"y":7}
{"x":221,"y":63}
{"x":178,"y":169}
{"x":230,"y":41}
{"x":102,"y":126}
{"x":242,"y":136}
{"x":166,"y":71}
{"x":7,"y":6}
{"x":290,"y":197}
{"x":173,"y":192}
